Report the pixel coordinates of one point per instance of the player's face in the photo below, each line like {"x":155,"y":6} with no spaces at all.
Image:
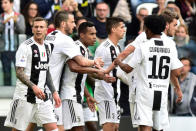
{"x":186,"y":68}
{"x":120,"y":30}
{"x":6,"y":5}
{"x":90,"y":36}
{"x":172,"y":27}
{"x":70,"y":25}
{"x":39,"y":29}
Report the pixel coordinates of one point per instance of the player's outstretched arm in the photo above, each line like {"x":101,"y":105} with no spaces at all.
{"x":25,"y":80}
{"x":174,"y":79}
{"x":75,"y":67}
{"x":125,"y":67}
{"x":121,"y":56}
{"x":82,"y":61}
{"x":50,"y":85}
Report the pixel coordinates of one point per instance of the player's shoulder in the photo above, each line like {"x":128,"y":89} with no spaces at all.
{"x":28,"y":42}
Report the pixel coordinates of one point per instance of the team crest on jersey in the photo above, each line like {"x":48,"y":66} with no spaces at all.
{"x":35,"y":51}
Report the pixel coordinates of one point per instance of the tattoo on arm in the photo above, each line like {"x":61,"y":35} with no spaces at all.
{"x":49,"y":82}
{"x":22,"y":77}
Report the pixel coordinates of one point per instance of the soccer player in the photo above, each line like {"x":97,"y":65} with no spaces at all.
{"x":154,"y":60}
{"x":73,"y":82}
{"x":106,"y":94}
{"x":30,"y":99}
{"x":64,"y":48}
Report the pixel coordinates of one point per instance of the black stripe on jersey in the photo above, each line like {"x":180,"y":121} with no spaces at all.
{"x":48,"y":53}
{"x":79,"y":81}
{"x":157,"y":101}
{"x":158,"y":42}
{"x":13,"y":111}
{"x":61,"y":78}
{"x":71,"y":109}
{"x":114,"y":84}
{"x":52,"y":47}
{"x":34,"y":72}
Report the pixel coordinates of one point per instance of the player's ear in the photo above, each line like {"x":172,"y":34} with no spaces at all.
{"x":167,"y":26}
{"x":113,"y":29}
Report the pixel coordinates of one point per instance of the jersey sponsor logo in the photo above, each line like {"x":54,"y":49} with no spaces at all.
{"x":41,"y":66}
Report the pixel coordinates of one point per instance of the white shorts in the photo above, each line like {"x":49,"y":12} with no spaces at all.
{"x":143,"y":115}
{"x":72,"y":114}
{"x":89,"y":115}
{"x":108,"y":112}
{"x":22,"y":112}
{"x":58,"y":113}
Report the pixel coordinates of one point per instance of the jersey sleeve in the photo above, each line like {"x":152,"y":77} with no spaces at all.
{"x":136,"y":58}
{"x":21,"y":56}
{"x":70,"y":49}
{"x":175,"y":63}
{"x":140,"y":39}
{"x":100,"y":52}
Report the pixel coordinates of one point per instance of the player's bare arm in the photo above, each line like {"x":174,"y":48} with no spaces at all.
{"x":121,"y":56}
{"x":50,"y":85}
{"x":24,"y":79}
{"x":174,"y":79}
{"x":86,"y":62}
{"x":124,"y":67}
{"x":90,"y":100}
{"x":75,"y":67}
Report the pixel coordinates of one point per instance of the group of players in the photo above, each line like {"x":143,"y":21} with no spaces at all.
{"x":57,"y":63}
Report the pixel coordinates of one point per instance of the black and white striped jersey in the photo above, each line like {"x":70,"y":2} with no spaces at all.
{"x":103,"y":90}
{"x":73,"y":83}
{"x":34,"y":58}
{"x":64,"y":48}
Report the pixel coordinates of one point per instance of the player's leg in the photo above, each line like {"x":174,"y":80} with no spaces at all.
{"x":91,"y":125}
{"x":116,"y":126}
{"x":78,"y":128}
{"x":90,"y":118}
{"x":45,"y":116}
{"x":107,"y":115}
{"x":72,"y":114}
{"x":145,"y":128}
{"x":31,"y":127}
{"x":109,"y":126}
{"x":50,"y":126}
{"x":16,"y":118}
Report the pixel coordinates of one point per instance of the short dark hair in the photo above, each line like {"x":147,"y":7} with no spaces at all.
{"x":80,"y":18}
{"x":169,"y":15}
{"x":40,"y":19}
{"x":156,"y":24}
{"x":112,"y":22}
{"x":59,"y":17}
{"x":186,"y":58}
{"x":83,"y":27}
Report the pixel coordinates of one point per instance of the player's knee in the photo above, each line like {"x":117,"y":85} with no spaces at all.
{"x":55,"y":129}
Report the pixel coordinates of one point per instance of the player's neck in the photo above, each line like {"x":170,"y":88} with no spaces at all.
{"x":62,"y":30}
{"x":156,"y":36}
{"x":82,"y":41}
{"x":114,"y":39}
{"x":39,"y":41}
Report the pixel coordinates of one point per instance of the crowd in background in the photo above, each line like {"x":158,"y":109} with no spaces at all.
{"x":17,"y":16}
